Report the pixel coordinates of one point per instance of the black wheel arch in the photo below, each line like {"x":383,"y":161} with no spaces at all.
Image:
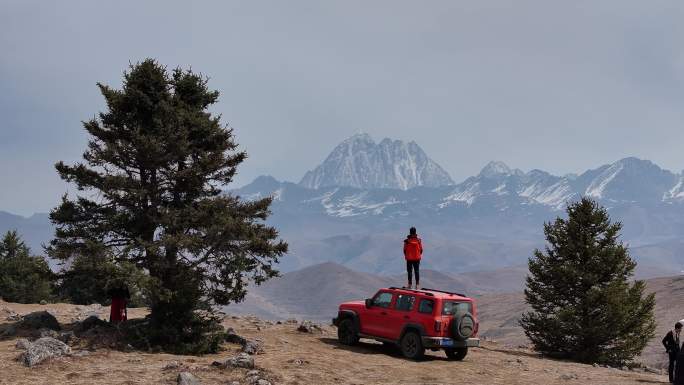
{"x":418,"y":328}
{"x":345,"y":314}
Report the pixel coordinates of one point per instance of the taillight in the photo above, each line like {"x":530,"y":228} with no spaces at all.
{"x":477,"y":327}
{"x":438,"y":326}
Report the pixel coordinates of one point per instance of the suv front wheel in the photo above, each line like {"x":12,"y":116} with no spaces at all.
{"x":412,"y":346}
{"x":346,"y":332}
{"x":456,"y":354}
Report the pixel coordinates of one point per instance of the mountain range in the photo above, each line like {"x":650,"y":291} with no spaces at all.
{"x":491,"y":220}
{"x":357,"y":205}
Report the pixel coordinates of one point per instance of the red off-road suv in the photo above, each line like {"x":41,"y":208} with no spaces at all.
{"x":412,"y":319}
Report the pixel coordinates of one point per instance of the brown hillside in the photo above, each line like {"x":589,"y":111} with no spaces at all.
{"x":294,"y":358}
{"x":316,"y":291}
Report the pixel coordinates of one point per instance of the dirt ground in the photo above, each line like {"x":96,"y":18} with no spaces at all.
{"x":292,"y":357}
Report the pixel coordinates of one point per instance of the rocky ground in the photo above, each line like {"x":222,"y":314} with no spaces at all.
{"x":281,"y":354}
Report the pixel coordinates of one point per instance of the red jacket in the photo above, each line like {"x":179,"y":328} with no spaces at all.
{"x":413,"y":248}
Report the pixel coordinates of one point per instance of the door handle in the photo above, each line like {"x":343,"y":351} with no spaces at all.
{"x":383,"y":313}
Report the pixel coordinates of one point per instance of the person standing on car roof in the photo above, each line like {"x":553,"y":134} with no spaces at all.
{"x":413,"y":252}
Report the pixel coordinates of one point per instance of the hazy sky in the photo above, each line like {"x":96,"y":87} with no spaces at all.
{"x":562,"y":86}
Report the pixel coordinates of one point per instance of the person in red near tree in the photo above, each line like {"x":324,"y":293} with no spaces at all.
{"x":413,"y":252}
{"x":120,"y":296}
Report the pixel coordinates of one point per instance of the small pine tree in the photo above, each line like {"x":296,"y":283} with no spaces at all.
{"x":23,"y":278}
{"x":583,"y":305}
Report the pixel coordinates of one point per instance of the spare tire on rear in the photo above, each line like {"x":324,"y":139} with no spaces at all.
{"x":462,"y":326}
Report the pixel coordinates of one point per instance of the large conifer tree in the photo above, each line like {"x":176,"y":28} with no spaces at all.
{"x":151,"y":193}
{"x":583,"y":304}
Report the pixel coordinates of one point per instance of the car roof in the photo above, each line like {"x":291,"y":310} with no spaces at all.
{"x":430,"y":293}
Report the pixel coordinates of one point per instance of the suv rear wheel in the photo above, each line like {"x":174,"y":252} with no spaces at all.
{"x":456,"y":354}
{"x":346,"y":332}
{"x":412,"y":346}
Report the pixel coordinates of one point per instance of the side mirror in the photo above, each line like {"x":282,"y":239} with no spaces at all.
{"x":369,"y":303}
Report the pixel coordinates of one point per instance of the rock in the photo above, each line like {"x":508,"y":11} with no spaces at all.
{"x":187,"y":378}
{"x":171,"y":365}
{"x":258,"y":381}
{"x":39,"y":320}
{"x":254,"y":377}
{"x":596,"y":365}
{"x":67,"y":337}
{"x":248,"y":346}
{"x":10,"y":315}
{"x":568,"y":377}
{"x":90,"y":323}
{"x":232,"y":337}
{"x":48,"y":333}
{"x":309,"y":327}
{"x":279,"y":323}
{"x":298,"y":361}
{"x":242,"y":360}
{"x":252,"y":347}
{"x":43,"y":302}
{"x":22,"y":344}
{"x":235,"y":383}
{"x":9,"y":331}
{"x":43,"y":349}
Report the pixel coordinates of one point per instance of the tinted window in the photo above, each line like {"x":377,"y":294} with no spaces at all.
{"x":405,"y":302}
{"x":382,"y":299}
{"x":426,"y":306}
{"x":453,"y":307}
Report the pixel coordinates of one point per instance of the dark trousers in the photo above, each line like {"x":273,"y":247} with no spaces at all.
{"x":671,"y":367}
{"x":412,"y":266}
{"x":679,"y":369}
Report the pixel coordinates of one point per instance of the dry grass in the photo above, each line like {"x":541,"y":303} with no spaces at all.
{"x":292,"y":357}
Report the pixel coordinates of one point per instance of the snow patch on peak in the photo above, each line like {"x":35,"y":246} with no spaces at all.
{"x":599,"y":184}
{"x":676,"y":193}
{"x":353,"y":205}
{"x":277,"y":195}
{"x":466,"y":196}
{"x":500,"y":189}
{"x":555,"y":195}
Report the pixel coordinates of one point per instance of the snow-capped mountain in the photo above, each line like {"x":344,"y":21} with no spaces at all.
{"x":493,"y":219}
{"x":496,"y":189}
{"x":360,"y":162}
